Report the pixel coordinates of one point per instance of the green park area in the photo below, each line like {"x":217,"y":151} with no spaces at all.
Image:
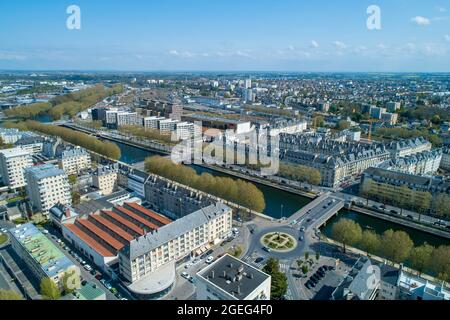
{"x":279,"y":241}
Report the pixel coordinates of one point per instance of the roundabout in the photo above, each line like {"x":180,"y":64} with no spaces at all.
{"x":280,"y":242}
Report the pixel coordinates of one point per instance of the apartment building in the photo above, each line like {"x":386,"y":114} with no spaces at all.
{"x":390,"y":118}
{"x":166,"y":126}
{"x":445,"y":162}
{"x":10,"y":135}
{"x":229,"y":278}
{"x":336,"y":161}
{"x":105,"y":179}
{"x":423,"y":163}
{"x":12,"y":165}
{"x":147,"y":264}
{"x":72,"y":161}
{"x":41,"y":256}
{"x":47,"y":185}
{"x":409,"y":190}
{"x":184,"y":130}
{"x":152,"y":122}
{"x":407,"y":147}
{"x":128,"y":119}
{"x":173,"y":199}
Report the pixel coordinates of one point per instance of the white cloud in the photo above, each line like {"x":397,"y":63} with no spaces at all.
{"x":314,"y":44}
{"x":291,"y":47}
{"x":174,"y":53}
{"x":441,"y":9}
{"x":420,"y":21}
{"x":340,"y":45}
{"x":447,"y":37}
{"x":4,"y":55}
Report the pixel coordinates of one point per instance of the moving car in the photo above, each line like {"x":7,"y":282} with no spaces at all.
{"x":259,"y":260}
{"x":266,"y":249}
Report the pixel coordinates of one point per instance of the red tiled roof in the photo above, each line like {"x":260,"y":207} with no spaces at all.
{"x":149,"y":213}
{"x":137,"y":218}
{"x":89,"y":241}
{"x":125,"y":222}
{"x":111,"y":226}
{"x":101,"y":234}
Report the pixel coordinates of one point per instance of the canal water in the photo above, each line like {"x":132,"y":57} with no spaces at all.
{"x":278,"y":203}
{"x":379,"y":226}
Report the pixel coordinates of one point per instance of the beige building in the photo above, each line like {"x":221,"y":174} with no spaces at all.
{"x":105,"y":180}
{"x":74,"y":160}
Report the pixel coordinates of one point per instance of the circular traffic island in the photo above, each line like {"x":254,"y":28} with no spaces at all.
{"x":279,"y":241}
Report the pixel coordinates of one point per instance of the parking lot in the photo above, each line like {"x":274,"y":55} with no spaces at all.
{"x":88,"y":272}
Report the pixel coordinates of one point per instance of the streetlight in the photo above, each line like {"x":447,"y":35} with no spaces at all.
{"x":281,"y":212}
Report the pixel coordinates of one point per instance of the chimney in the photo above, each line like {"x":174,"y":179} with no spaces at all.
{"x":212,"y":274}
{"x":239,"y":290}
{"x":224,"y":274}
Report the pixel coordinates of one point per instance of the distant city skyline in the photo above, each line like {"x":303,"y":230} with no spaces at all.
{"x":204,"y":35}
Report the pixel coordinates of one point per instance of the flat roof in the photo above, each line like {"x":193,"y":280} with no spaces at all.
{"x":233,"y":276}
{"x":14,"y":152}
{"x":45,"y":171}
{"x":41,"y":249}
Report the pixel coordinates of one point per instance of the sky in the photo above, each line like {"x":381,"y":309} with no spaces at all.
{"x":226,"y":35}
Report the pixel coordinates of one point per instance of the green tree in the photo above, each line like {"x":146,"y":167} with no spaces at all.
{"x":306,"y":255}
{"x":370,"y":242}
{"x":317,"y":256}
{"x":343,"y":124}
{"x":305,"y":269}
{"x":49,"y":290}
{"x":396,"y":245}
{"x":441,"y":262}
{"x":347,"y":232}
{"x":420,"y":257}
{"x":70,"y":281}
{"x":279,"y":279}
{"x":442,"y":205}
{"x":9,"y":295}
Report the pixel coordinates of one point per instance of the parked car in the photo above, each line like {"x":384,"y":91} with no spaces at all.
{"x":185,"y":275}
{"x":394,"y":212}
{"x":93,"y":272}
{"x":187,"y":265}
{"x":98,"y":276}
{"x":209,"y":259}
{"x":410,"y":217}
{"x":44,"y":231}
{"x":88,"y":267}
{"x":113,"y":290}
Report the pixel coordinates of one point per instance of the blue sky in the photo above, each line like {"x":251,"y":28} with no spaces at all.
{"x":225,"y":35}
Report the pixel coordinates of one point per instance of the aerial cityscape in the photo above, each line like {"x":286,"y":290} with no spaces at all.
{"x":220,"y":158}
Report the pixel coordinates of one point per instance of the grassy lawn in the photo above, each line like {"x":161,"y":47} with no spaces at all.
{"x":3,"y":239}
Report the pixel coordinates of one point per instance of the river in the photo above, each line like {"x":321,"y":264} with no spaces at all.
{"x":278,"y":203}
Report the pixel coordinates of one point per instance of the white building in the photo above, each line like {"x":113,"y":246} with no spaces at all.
{"x":152,"y":122}
{"x":10,"y":135}
{"x":166,"y":126}
{"x":12,"y":165}
{"x":47,"y":185}
{"x":148,"y":263}
{"x":229,"y":278}
{"x":393,"y":106}
{"x":128,"y":119}
{"x":74,"y":160}
{"x":184,"y":130}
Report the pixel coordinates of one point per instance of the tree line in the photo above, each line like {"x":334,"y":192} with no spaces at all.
{"x":395,"y":246}
{"x":402,"y":133}
{"x":151,"y":134}
{"x":421,"y":201}
{"x":300,"y":173}
{"x":105,"y":148}
{"x":237,"y":191}
{"x":69,"y":104}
